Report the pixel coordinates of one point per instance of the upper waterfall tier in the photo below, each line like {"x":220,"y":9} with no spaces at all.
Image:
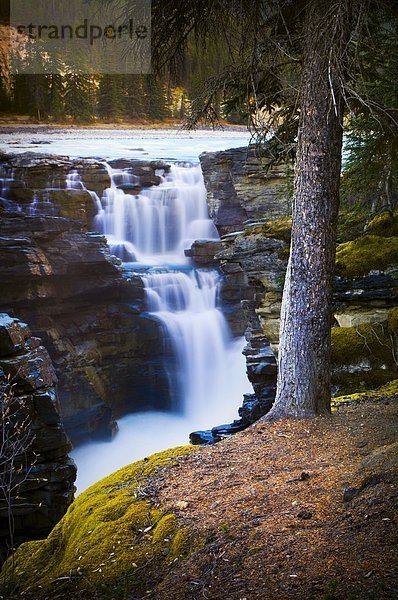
{"x":161,"y":221}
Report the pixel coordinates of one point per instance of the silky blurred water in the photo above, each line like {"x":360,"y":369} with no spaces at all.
{"x":208,"y":373}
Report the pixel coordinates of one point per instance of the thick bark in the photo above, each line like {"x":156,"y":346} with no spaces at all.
{"x":304,"y":354}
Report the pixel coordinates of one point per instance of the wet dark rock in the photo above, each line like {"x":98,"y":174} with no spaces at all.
{"x":13,"y":335}
{"x":73,"y":204}
{"x":144,"y":171}
{"x":223,"y":431}
{"x":31,"y":370}
{"x":130,"y":188}
{"x":381,"y":289}
{"x":202,"y":438}
{"x":35,"y":461}
{"x":63,"y":280}
{"x":216,"y":434}
{"x":254,"y":408}
{"x":41,"y":171}
{"x":203,"y":253}
{"x":96,"y":422}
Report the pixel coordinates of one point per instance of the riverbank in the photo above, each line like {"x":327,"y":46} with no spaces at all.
{"x":296,"y":509}
{"x":169,"y":125}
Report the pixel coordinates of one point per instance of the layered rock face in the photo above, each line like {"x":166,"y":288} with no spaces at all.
{"x":242,"y":185}
{"x":243,"y":188}
{"x":36,"y":474}
{"x":363,"y":352}
{"x":62,"y":279}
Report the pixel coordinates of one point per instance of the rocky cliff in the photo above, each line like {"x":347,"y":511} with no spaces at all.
{"x":36,"y":474}
{"x":61,"y":278}
{"x":243,"y":184}
{"x":250,"y":206}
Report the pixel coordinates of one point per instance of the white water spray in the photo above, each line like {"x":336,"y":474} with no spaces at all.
{"x":157,"y":224}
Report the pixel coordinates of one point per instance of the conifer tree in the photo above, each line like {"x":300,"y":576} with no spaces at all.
{"x":295,"y":62}
{"x":79,"y":97}
{"x":112,"y":97}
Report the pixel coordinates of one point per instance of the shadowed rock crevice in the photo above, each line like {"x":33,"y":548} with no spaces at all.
{"x":36,"y":474}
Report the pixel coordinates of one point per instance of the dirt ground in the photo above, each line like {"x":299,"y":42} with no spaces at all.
{"x":301,"y":509}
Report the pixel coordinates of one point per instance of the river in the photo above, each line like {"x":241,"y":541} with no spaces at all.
{"x":150,"y":232}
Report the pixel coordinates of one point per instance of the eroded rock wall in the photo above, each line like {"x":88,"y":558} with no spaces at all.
{"x":36,"y":474}
{"x":242,"y":185}
{"x":61,"y":278}
{"x":250,"y":206}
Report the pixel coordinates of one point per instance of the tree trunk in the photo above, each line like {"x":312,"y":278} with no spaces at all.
{"x":304,"y":354}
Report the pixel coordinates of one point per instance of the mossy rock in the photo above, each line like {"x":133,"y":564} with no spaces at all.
{"x":365,"y":254}
{"x":367,"y":342}
{"x":389,"y":390}
{"x":279,"y":229}
{"x":393,"y":320}
{"x":114,"y":539}
{"x":362,"y":381}
{"x":386,"y":392}
{"x":384,"y":224}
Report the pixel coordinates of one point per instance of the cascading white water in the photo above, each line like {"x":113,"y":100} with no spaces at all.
{"x":186,"y":305}
{"x":206,"y":366}
{"x":161,"y":221}
{"x":154,"y":227}
{"x":73,"y":181}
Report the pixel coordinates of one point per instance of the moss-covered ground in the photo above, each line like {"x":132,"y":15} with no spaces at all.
{"x":364,"y":357}
{"x":387,"y":392}
{"x":377,"y":249}
{"x":114,"y":537}
{"x":279,"y":229}
{"x":367,"y":253}
{"x":367,"y":342}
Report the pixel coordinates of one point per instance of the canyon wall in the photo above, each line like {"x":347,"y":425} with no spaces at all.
{"x":60,"y":277}
{"x":251,"y":208}
{"x":36,"y":474}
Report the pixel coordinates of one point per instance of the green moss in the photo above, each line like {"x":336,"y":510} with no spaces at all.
{"x":369,"y":341}
{"x":279,"y":229}
{"x":388,"y":391}
{"x":393,"y":320}
{"x":367,"y":253}
{"x":183,"y":544}
{"x":164,"y":530}
{"x":384,"y":224}
{"x":349,"y":383}
{"x":111,"y":533}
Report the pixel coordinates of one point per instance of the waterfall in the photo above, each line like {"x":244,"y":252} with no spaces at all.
{"x":73,"y":181}
{"x":153,"y":228}
{"x":156,"y":225}
{"x":186,"y":306}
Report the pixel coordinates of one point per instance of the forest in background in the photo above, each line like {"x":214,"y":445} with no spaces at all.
{"x":84,"y":99}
